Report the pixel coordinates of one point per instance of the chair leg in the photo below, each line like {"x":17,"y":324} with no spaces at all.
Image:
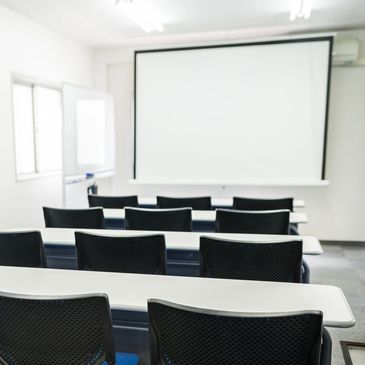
{"x":326,"y":353}
{"x":293,"y":229}
{"x":306,"y":273}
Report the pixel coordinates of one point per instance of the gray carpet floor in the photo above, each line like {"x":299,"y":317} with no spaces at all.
{"x":343,"y":266}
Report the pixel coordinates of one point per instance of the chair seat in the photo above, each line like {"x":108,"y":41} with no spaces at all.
{"x":124,"y":358}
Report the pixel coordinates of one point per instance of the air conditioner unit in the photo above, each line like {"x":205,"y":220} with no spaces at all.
{"x":345,"y":52}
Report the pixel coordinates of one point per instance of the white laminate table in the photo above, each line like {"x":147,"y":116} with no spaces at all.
{"x":204,"y":215}
{"x":174,"y":240}
{"x":221,"y":202}
{"x":131,"y":292}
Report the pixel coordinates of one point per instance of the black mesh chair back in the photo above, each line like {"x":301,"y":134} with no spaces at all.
{"x":279,"y":261}
{"x":143,"y":255}
{"x":196,"y":203}
{"x":265,"y":222}
{"x":74,"y":218}
{"x":158,"y":219}
{"x":113,"y":202}
{"x":55,"y":331}
{"x":262,"y":204}
{"x":185,"y":336}
{"x":22,"y":249}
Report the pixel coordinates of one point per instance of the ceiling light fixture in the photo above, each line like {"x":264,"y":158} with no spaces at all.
{"x":141,"y":14}
{"x":300,"y":9}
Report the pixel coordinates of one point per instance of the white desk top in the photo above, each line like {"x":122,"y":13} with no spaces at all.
{"x":222,"y":202}
{"x":131,"y":291}
{"x":175,"y":240}
{"x":204,"y":215}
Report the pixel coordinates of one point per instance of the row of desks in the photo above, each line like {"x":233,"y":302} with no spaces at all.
{"x":201,"y":216}
{"x":182,"y":248}
{"x":130,"y":292}
{"x":216,"y":202}
{"x":180,"y":241}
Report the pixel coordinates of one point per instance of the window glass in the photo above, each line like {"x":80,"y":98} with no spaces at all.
{"x":91,"y":132}
{"x":48,"y":106}
{"x":24,"y":129}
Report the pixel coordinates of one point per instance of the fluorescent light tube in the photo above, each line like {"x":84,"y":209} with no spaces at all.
{"x":300,"y":9}
{"x":141,"y":14}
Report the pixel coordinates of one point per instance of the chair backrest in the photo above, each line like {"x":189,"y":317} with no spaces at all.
{"x":113,"y":202}
{"x":185,"y":336}
{"x":74,"y":218}
{"x":196,"y":203}
{"x":158,"y":219}
{"x":262,"y":204}
{"x":260,"y":222}
{"x":279,"y":261}
{"x":143,"y":254}
{"x":57,"y":331}
{"x":22,"y":249}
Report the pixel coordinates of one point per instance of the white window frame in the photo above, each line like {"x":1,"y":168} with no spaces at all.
{"x":17,"y":79}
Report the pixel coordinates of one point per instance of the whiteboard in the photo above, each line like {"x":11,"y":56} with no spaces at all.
{"x":250,"y":113}
{"x":88,"y":132}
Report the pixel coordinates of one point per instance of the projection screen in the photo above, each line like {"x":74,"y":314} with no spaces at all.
{"x":237,"y":113}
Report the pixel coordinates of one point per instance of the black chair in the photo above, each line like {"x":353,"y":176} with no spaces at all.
{"x":22,"y":249}
{"x":57,"y":331}
{"x":262,"y":204}
{"x":185,"y":336}
{"x":279,"y":261}
{"x":143,"y":254}
{"x":113,"y":202}
{"x":158,"y":219}
{"x":196,"y":203}
{"x":74,"y":218}
{"x":265,"y":222}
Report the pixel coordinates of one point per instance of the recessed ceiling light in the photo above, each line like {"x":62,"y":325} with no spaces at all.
{"x":141,"y":14}
{"x":300,"y":9}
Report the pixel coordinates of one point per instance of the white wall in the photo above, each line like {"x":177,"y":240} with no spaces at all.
{"x":34,"y":51}
{"x":335,"y":212}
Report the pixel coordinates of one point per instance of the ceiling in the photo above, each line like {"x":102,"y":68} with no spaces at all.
{"x":101,"y":24}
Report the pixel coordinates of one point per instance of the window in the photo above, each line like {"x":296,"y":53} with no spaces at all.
{"x":90,"y":131}
{"x":38,"y":129}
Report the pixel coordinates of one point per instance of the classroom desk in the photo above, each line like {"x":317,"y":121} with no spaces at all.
{"x":182,"y":257}
{"x":130,"y":292}
{"x":128,"y":295}
{"x":177,"y":240}
{"x":203,"y":220}
{"x":216,"y":202}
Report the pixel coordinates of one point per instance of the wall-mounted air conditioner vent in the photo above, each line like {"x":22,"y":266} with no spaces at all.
{"x":346,"y":52}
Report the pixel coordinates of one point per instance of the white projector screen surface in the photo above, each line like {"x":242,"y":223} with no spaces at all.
{"x":243,"y":113}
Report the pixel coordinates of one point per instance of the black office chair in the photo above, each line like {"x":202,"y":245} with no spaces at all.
{"x":22,"y":249}
{"x":279,"y":261}
{"x":260,"y":222}
{"x":143,"y":254}
{"x":113,"y":202}
{"x":59,"y":331}
{"x":158,"y":219}
{"x":185,"y":336}
{"x":262,"y":204}
{"x":196,"y":203}
{"x":74,"y":218}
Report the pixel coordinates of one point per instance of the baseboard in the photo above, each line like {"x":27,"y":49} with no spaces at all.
{"x":343,"y":243}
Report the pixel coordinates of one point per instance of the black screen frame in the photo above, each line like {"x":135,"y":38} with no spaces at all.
{"x":259,"y":43}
